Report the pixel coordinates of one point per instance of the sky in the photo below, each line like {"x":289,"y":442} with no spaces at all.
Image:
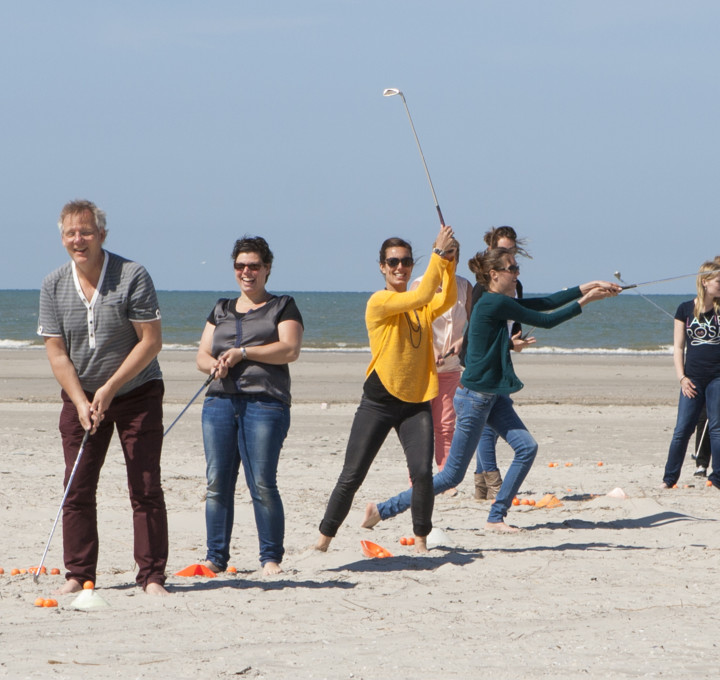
{"x":590,"y":127}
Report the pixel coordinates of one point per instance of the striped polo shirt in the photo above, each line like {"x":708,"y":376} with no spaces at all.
{"x":98,"y":333}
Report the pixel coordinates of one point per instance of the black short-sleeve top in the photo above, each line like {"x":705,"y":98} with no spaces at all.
{"x":256,"y":327}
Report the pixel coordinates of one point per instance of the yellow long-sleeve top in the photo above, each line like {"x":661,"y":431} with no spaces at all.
{"x":402,"y":353}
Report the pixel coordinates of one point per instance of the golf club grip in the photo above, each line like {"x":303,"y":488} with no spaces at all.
{"x":632,"y":285}
{"x":440,"y":215}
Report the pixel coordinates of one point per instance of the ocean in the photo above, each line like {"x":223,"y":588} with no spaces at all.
{"x":334,"y":322}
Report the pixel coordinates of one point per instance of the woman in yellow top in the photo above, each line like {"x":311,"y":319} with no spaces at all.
{"x":401,"y":381}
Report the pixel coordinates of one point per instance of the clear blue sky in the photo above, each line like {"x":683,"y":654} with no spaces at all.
{"x":591,"y":127}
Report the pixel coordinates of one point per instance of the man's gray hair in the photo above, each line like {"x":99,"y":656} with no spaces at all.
{"x":81,"y":206}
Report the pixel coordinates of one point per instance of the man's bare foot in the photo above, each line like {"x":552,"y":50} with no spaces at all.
{"x":421,"y":544}
{"x":271,"y":568}
{"x":70,"y":586}
{"x":501,"y":528}
{"x":213,"y":567}
{"x":153,"y":588}
{"x":323,"y":543}
{"x":372,"y":516}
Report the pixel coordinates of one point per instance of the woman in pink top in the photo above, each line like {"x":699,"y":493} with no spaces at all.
{"x":448,"y":332}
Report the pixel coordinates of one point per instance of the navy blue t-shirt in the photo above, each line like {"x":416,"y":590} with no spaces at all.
{"x":702,"y":342}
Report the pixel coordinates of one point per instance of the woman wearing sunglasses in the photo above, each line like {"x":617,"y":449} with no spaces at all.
{"x":489,"y":379}
{"x":247,"y":344}
{"x":401,"y":381}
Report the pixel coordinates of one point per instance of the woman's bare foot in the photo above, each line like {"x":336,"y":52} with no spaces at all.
{"x":153,"y":588}
{"x":450,"y":492}
{"x":372,"y":516}
{"x":213,"y":567}
{"x":421,"y":544}
{"x":323,"y":543}
{"x":501,"y":527}
{"x":70,"y":586}
{"x":271,"y":568}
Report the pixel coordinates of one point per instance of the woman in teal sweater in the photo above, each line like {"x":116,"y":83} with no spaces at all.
{"x":489,"y":379}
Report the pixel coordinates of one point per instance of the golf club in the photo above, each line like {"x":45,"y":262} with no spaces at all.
{"x":62,"y":503}
{"x":619,"y":278}
{"x":391,"y":92}
{"x":77,"y":461}
{"x":670,"y":278}
{"x":525,"y":336}
{"x":702,"y":437}
{"x":210,"y":378}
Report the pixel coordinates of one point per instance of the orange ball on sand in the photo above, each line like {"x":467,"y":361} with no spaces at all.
{"x":2,"y":571}
{"x":14,"y":572}
{"x":88,"y":585}
{"x":54,"y":571}
{"x":516,"y":501}
{"x":40,"y":601}
{"x":232,"y":570}
{"x":50,"y":603}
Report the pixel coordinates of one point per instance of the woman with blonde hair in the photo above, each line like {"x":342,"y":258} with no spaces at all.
{"x":696,"y":355}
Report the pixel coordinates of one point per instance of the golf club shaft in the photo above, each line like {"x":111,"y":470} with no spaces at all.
{"x":647,"y":299}
{"x":210,"y":378}
{"x":62,"y":504}
{"x":422,"y":156}
{"x":702,"y":437}
{"x":670,"y":278}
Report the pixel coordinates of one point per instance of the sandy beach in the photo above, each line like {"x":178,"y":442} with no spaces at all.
{"x":599,"y":587}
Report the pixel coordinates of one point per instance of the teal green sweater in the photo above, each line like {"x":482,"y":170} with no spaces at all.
{"x":488,"y":366}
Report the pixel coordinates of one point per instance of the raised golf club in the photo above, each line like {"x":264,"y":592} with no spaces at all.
{"x":647,"y":299}
{"x":391,"y":92}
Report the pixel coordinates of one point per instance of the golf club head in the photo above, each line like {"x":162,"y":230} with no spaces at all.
{"x":617,"y":276}
{"x":36,"y":576}
{"x":391,"y":92}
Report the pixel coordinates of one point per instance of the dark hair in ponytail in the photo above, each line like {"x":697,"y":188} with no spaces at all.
{"x":483,"y":262}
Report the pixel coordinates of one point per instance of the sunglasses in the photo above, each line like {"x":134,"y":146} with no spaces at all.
{"x":395,"y":261}
{"x":513,"y":269}
{"x":252,"y":266}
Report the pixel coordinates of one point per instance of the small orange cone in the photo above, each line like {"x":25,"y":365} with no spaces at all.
{"x":371,"y":549}
{"x":196,"y":570}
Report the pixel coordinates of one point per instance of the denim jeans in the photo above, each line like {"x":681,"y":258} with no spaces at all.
{"x":486,"y":459}
{"x":249,"y":430}
{"x":371,"y":426}
{"x":708,"y":395}
{"x":473,"y":410}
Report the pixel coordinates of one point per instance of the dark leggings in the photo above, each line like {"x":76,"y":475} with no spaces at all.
{"x":371,"y":426}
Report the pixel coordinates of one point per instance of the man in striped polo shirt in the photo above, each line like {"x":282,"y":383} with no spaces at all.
{"x":100,"y":321}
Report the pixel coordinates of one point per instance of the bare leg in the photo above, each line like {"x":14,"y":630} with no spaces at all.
{"x":372,"y":516}
{"x":421,"y":544}
{"x":501,"y":527}
{"x":70,"y":586}
{"x":323,"y":543}
{"x":153,"y":588}
{"x":271,"y":568}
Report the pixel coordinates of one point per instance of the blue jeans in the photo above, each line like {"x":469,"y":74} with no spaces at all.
{"x":473,"y":410}
{"x":708,"y":395}
{"x":248,"y":430}
{"x":485,"y":454}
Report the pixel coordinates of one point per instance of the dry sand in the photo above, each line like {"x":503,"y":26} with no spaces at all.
{"x":599,"y":587}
